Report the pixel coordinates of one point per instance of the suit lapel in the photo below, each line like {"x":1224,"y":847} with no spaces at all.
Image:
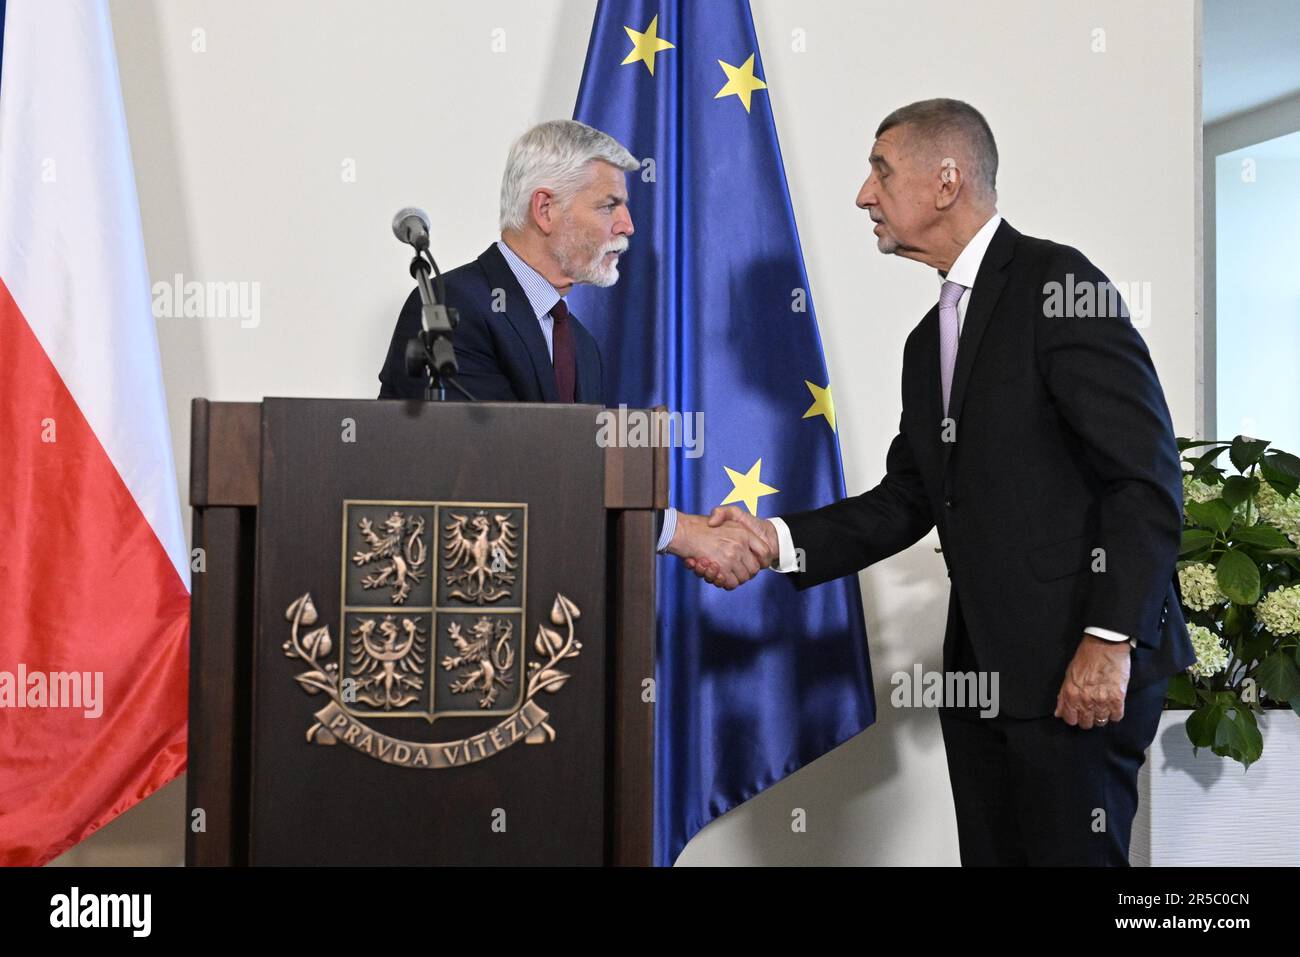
{"x":989,"y":281}
{"x":590,"y":389}
{"x":519,"y":313}
{"x":930,"y":367}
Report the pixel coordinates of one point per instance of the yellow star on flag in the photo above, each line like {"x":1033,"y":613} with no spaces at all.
{"x":748,"y":488}
{"x":823,"y":404}
{"x":740,"y":81}
{"x":646,"y":45}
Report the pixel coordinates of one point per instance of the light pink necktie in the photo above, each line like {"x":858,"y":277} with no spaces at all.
{"x":949,"y":295}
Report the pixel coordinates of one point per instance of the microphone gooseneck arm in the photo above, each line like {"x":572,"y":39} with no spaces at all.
{"x":430,"y":352}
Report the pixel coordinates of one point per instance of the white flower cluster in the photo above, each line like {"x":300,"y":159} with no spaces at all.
{"x":1200,"y":587}
{"x":1279,"y":611}
{"x":1194,"y":490}
{"x":1211,"y":655}
{"x":1282,"y":513}
{"x":1270,"y":507}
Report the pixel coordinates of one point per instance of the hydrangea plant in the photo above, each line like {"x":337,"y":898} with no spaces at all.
{"x":1239,"y":583}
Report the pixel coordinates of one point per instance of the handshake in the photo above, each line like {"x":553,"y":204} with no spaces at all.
{"x":726,"y":549}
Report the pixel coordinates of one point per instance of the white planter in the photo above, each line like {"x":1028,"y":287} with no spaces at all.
{"x":1206,"y":810}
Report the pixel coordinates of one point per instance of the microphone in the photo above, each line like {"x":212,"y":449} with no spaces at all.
{"x":430,"y":349}
{"x":411,"y":226}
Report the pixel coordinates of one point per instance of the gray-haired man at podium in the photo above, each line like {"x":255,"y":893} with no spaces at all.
{"x":564,"y":220}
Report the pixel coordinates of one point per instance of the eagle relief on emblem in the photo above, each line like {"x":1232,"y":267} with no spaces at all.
{"x":432,"y":642}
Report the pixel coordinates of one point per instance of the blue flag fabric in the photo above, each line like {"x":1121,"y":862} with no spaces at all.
{"x":712,"y":315}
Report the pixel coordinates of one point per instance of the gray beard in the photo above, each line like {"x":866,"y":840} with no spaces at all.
{"x":601,"y":276}
{"x":592,"y":272}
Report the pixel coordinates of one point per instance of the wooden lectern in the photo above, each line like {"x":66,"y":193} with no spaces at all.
{"x":421,"y":634}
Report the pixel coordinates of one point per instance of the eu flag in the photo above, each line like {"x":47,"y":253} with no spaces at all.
{"x":712,"y":314}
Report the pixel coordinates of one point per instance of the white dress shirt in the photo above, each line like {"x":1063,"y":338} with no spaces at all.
{"x":963,"y":272}
{"x":542,"y":296}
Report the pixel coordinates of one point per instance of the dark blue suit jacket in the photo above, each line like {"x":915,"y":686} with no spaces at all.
{"x":1064,"y":445}
{"x":502,"y":354}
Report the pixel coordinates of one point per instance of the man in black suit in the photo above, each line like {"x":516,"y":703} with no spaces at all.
{"x":564,"y":220}
{"x":1036,"y":437}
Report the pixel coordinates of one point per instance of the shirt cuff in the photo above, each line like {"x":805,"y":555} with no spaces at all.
{"x":670,"y":528}
{"x":1105,"y":634}
{"x":786,"y":557}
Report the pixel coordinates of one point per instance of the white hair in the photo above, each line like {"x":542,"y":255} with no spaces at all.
{"x":554,"y":155}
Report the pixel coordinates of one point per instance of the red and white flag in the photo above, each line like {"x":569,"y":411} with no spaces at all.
{"x":94,"y":577}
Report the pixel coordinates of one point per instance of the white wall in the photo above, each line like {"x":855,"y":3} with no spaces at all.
{"x":239,"y":152}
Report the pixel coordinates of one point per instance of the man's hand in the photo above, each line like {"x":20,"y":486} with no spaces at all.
{"x":760,"y":528}
{"x":731,"y":552}
{"x":1095,"y":683}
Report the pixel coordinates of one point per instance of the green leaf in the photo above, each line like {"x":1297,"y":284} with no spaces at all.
{"x":1281,"y":484}
{"x":1213,"y":514}
{"x":1203,"y":467}
{"x":1237,"y":736}
{"x":1208,"y":456}
{"x":1282,"y":471}
{"x":1279,"y":677}
{"x":1195,"y":539}
{"x":1266,"y":536}
{"x":1256,"y":648}
{"x":1233,"y":621}
{"x":1208,"y":473}
{"x":1238,"y":577}
{"x":1201,"y":725}
{"x":1284,"y":462}
{"x":1185,"y":444}
{"x":1238,"y":488}
{"x":1246,"y":451}
{"x":1180,"y":690}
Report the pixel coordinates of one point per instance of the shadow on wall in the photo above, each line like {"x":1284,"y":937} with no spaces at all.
{"x":150,"y":110}
{"x":857,"y":782}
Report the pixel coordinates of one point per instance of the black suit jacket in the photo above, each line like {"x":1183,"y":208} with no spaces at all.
{"x":1064,"y":445}
{"x":499,"y":342}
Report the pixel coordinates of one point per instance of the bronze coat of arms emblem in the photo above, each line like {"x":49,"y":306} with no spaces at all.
{"x":434,"y":609}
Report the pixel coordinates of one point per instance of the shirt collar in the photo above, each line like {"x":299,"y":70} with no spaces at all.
{"x":967,"y":266}
{"x":541,"y":294}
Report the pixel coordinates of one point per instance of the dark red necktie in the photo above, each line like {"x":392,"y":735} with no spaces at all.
{"x":565,"y":356}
